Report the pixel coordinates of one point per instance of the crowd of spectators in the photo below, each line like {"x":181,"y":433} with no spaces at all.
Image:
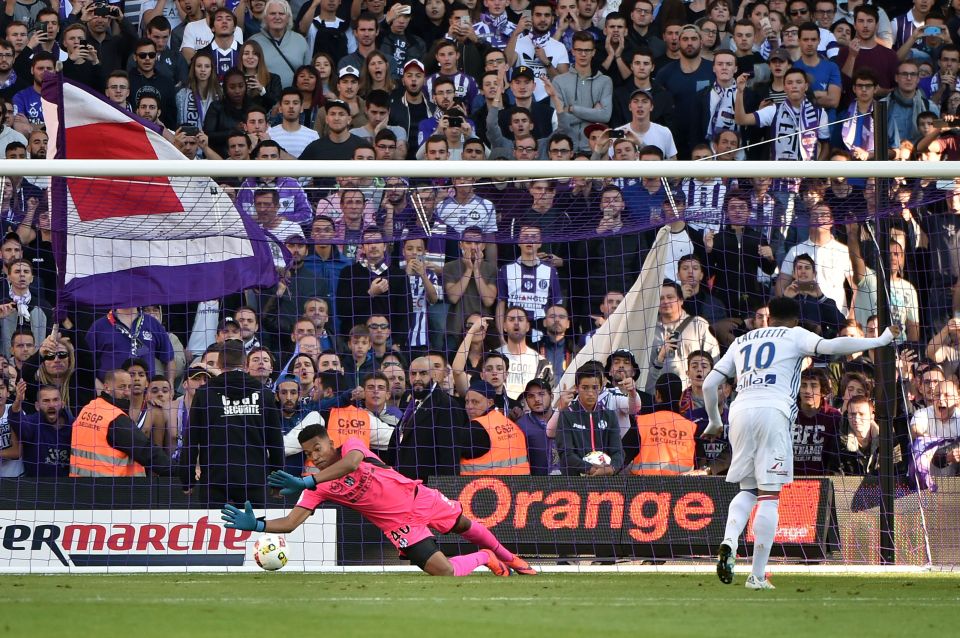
{"x":435,"y":318}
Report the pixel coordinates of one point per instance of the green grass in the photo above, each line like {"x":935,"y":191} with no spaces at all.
{"x":417,"y":606}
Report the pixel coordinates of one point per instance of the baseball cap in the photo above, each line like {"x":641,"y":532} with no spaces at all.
{"x":522,"y":72}
{"x":780,"y":54}
{"x":349,"y":70}
{"x":644,"y":92}
{"x":337,"y":104}
{"x":415,"y":63}
{"x":195,"y":371}
{"x":483,"y":388}
{"x":537,"y":383}
{"x":229,"y":321}
{"x":295,"y":238}
{"x":593,"y":128}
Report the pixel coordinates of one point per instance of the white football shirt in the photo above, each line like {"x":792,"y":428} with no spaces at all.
{"x":766,"y":364}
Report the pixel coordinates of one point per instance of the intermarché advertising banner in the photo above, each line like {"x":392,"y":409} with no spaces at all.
{"x":57,"y":541}
{"x":685,"y":513}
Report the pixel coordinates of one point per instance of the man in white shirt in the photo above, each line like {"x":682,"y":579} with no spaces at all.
{"x":832,"y":258}
{"x":290,"y":133}
{"x":645,"y":132}
{"x":526,"y":363}
{"x":537,"y":49}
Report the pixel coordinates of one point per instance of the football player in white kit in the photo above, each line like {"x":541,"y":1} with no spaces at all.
{"x":766,"y":364}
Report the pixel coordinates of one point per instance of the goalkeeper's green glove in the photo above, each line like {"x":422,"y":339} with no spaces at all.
{"x":242,"y":519}
{"x":290,"y":485}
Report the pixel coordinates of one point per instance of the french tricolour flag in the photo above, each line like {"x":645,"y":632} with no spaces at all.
{"x":133,"y":241}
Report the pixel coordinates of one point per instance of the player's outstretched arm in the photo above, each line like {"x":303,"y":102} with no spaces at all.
{"x":246,"y":520}
{"x":711,"y":401}
{"x":850,"y":345}
{"x":291,"y":485}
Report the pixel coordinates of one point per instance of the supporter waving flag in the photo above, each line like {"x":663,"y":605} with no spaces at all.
{"x":135,"y":241}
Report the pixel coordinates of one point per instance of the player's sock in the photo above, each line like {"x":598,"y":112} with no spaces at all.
{"x":764,"y":529}
{"x":463,"y":565}
{"x":484,"y":539}
{"x":737,"y":516}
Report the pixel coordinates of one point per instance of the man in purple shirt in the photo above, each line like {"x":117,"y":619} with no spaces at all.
{"x":127,"y":333}
{"x":44,"y":435}
{"x":541,"y":449}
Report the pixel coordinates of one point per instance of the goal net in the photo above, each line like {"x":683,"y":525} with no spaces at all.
{"x":446,"y":322}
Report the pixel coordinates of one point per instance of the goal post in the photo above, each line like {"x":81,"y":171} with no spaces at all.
{"x":507,"y":277}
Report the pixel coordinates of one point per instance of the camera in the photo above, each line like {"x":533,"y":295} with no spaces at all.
{"x":190,"y":130}
{"x":455,"y":121}
{"x":616,"y":134}
{"x":102,"y":10}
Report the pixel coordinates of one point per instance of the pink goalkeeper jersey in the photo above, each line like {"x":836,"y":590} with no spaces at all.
{"x":380,"y":493}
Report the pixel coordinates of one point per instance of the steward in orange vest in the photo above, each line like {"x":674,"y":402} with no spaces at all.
{"x":347,"y":422}
{"x":505,"y":443}
{"x":105,"y":442}
{"x":664,"y":441}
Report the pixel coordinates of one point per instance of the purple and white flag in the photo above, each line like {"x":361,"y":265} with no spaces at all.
{"x":133,"y":241}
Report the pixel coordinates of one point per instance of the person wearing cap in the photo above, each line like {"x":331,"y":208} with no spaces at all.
{"x":585,"y":97}
{"x":493,"y":444}
{"x":645,"y":132}
{"x":620,"y":394}
{"x":683,"y":78}
{"x":541,"y":449}
{"x":234,"y":434}
{"x":284,"y":50}
{"x":339,"y":143}
{"x":409,"y":107}
{"x":348,"y":90}
{"x":531,"y":45}
{"x":196,"y":377}
{"x":664,"y":441}
{"x":641,"y":68}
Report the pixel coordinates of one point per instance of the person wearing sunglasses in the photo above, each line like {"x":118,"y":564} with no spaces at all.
{"x":145,"y":75}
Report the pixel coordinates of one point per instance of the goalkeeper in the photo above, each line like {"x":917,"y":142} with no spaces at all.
{"x":407,"y":511}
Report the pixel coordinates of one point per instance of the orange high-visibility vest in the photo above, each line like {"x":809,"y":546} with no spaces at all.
{"x":667,"y":444}
{"x":508,"y":448}
{"x":90,"y":454}
{"x":347,"y":422}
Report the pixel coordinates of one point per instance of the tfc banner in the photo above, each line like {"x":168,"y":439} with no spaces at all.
{"x":670,"y":515}
{"x":78,"y":541}
{"x":134,"y":241}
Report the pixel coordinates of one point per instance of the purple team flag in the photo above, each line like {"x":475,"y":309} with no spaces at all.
{"x":133,"y":241}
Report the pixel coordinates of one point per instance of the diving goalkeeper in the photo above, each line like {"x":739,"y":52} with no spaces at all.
{"x":407,"y":511}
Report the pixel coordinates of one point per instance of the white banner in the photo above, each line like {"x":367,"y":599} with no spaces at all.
{"x":98,"y":541}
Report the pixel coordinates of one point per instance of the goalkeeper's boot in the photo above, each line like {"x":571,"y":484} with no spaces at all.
{"x":521,"y":566}
{"x":726,"y":560}
{"x":497,"y":566}
{"x":755,"y":583}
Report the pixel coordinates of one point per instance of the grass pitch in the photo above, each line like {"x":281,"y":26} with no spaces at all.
{"x":408,"y":604}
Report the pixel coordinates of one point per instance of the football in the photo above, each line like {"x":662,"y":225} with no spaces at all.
{"x":270,"y":552}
